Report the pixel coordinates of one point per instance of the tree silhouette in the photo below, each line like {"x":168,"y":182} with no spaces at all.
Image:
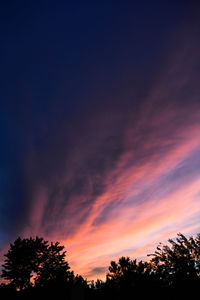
{"x":54,"y":269}
{"x":127,"y":277}
{"x":178,"y":262}
{"x":127,"y":268}
{"x":172,"y":273}
{"x":23,"y":260}
{"x":124,"y":266}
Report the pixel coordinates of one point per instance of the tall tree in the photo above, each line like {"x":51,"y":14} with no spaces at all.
{"x":54,"y":268}
{"x":23,"y":260}
{"x":179,"y":261}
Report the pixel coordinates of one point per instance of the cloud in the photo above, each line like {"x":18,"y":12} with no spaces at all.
{"x":121,"y":174}
{"x":97,"y":270}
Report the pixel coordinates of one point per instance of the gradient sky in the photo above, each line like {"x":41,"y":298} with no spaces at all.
{"x":100,"y":126}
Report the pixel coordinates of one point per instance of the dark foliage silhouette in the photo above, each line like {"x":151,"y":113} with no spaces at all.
{"x":23,"y":260}
{"x":37,"y":269}
{"x":178,"y":264}
{"x":54,"y":268}
{"x":173,"y":272}
{"x":127,"y":276}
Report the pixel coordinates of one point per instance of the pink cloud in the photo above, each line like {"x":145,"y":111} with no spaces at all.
{"x":129,"y":178}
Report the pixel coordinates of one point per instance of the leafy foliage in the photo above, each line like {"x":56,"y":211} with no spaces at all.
{"x":54,"y":268}
{"x":173,"y":272}
{"x":178,"y":262}
{"x":23,"y":260}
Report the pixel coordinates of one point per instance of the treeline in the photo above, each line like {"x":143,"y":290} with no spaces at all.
{"x":35,"y":268}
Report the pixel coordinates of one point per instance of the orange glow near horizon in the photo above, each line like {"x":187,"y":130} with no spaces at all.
{"x":101,"y":130}
{"x":146,"y":191}
{"x":123,"y":222}
{"x":143,"y":202}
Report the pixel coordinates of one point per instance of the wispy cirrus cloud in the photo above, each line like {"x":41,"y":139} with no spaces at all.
{"x":122,"y":174}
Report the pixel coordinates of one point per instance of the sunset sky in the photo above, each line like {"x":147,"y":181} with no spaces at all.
{"x":99,"y":126}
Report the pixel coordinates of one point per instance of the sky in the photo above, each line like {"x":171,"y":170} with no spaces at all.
{"x":99,"y":126}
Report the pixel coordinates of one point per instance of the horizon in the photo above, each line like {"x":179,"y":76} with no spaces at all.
{"x":100,"y":118}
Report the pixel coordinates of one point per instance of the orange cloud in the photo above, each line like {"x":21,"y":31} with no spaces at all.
{"x":129,"y":179}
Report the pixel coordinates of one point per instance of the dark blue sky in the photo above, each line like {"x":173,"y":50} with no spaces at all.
{"x":64,"y":67}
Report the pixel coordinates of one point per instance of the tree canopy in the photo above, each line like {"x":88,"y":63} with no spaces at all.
{"x":33,"y":265}
{"x":23,"y":260}
{"x":179,"y":261}
{"x":54,"y":268}
{"x":33,"y":261}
